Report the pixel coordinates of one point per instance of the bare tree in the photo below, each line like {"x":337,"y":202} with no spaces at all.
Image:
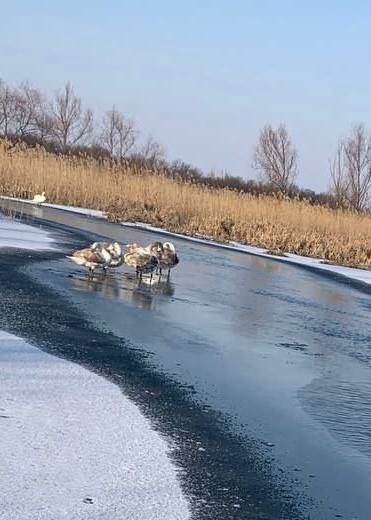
{"x":338,"y":179}
{"x":7,"y":109}
{"x":275,"y":157}
{"x":351,"y":170}
{"x":357,"y":151}
{"x":23,"y":112}
{"x":71,"y":123}
{"x":118,"y":134}
{"x":152,"y":151}
{"x":26,"y":103}
{"x":43,"y":121}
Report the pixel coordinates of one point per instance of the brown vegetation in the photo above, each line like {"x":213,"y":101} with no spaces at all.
{"x":61,"y":123}
{"x":140,"y":194}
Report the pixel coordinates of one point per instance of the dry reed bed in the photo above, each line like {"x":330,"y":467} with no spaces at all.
{"x":279,"y":225}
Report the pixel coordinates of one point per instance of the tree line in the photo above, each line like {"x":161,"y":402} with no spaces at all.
{"x":62,"y":124}
{"x":275,"y":158}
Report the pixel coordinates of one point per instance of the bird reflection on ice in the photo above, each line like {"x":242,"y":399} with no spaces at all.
{"x":126,"y":288}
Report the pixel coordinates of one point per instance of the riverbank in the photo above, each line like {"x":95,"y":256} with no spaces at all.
{"x":148,"y":195}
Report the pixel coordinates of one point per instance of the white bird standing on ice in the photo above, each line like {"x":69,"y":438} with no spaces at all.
{"x":114,"y":249}
{"x":39,"y":199}
{"x":166,"y":256}
{"x":92,"y":257}
{"x":116,"y":253}
{"x":141,"y":259}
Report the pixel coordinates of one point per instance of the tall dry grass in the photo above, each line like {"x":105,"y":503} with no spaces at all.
{"x":148,"y":196}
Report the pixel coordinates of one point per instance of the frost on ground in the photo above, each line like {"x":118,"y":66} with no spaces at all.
{"x":21,"y":236}
{"x":72,"y":446}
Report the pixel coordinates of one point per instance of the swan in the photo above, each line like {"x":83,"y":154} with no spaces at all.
{"x":114,"y":249}
{"x":141,"y":259}
{"x":155,"y":249}
{"x":39,"y":198}
{"x":92,"y":257}
{"x":117,"y":257}
{"x":167,"y":258}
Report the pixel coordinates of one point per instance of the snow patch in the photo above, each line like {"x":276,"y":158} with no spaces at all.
{"x":82,"y":211}
{"x":96,"y":213}
{"x":22,"y":236}
{"x":73,"y":446}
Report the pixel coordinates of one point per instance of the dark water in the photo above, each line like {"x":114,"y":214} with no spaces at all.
{"x":278,"y":356}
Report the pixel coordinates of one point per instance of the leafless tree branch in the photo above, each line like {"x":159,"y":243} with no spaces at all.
{"x":71,"y":123}
{"x":351,"y":170}
{"x":152,"y":151}
{"x":118,"y":135}
{"x":275,"y":157}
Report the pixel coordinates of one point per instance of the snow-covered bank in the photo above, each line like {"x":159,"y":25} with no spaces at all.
{"x":21,"y":236}
{"x":359,"y":275}
{"x":72,"y":446}
{"x":74,"y":209}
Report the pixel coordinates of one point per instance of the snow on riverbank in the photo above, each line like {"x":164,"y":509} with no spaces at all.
{"x":72,"y":446}
{"x":359,"y":275}
{"x":83,"y":211}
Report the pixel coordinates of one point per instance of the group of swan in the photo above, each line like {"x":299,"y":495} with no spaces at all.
{"x":153,"y":258}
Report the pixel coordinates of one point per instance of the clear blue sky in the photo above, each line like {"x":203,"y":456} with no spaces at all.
{"x":204,"y":76}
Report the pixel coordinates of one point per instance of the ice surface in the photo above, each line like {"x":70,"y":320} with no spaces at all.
{"x":22,"y":236}
{"x":74,"y":447}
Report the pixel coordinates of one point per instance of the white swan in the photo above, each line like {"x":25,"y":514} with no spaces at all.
{"x":39,"y":198}
{"x":141,"y":259}
{"x":92,"y":257}
{"x":116,"y":253}
{"x":167,"y":258}
{"x":114,"y":249}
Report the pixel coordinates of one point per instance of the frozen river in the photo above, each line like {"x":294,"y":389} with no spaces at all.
{"x":257,"y":372}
